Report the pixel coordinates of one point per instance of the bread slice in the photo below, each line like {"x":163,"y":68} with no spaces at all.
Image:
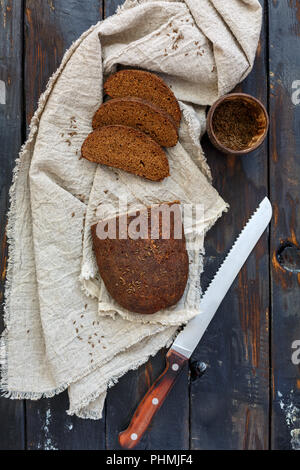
{"x":141,"y":115}
{"x":144,"y":85}
{"x":143,"y":275}
{"x":128,"y":149}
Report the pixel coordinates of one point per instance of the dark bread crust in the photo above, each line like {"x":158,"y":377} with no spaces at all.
{"x":141,"y":115}
{"x":128,"y":149}
{"x":144,"y":85}
{"x":143,"y":275}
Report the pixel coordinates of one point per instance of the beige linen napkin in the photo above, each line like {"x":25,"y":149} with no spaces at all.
{"x":62,"y":328}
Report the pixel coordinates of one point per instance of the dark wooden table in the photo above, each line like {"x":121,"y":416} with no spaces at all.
{"x":250,"y":396}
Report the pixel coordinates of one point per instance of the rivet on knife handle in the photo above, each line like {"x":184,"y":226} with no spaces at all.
{"x":153,"y":400}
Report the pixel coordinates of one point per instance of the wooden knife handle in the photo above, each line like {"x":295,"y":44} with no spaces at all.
{"x":153,"y":400}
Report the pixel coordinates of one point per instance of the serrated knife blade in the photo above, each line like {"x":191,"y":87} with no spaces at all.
{"x":185,"y":343}
{"x":190,"y":336}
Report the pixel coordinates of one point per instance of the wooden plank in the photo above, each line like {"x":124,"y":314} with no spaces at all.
{"x":50,"y":428}
{"x":229,"y":404}
{"x":284,"y":187}
{"x":12,"y":427}
{"x":50,"y":28}
{"x":170,"y":427}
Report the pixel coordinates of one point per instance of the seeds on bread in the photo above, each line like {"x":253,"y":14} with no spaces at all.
{"x":128,"y":149}
{"x":141,"y":115}
{"x":143,"y":275}
{"x":144,"y":85}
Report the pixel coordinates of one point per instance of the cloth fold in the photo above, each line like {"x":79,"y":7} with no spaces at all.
{"x":62,"y":328}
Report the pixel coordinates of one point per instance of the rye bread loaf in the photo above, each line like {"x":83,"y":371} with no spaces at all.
{"x":128,"y":149}
{"x":144,"y":85}
{"x":143,"y":275}
{"x":141,"y":115}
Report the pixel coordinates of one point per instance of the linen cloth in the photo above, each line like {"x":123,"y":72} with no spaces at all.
{"x":62,"y":328}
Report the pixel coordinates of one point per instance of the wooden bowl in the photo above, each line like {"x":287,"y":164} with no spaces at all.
{"x":261,"y":117}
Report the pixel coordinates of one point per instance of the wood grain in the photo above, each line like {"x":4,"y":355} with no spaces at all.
{"x":50,"y":28}
{"x":284,"y":45}
{"x":229,"y":404}
{"x":110,"y":7}
{"x":12,"y":424}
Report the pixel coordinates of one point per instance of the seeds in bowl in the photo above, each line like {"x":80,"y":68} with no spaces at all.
{"x":236,"y":124}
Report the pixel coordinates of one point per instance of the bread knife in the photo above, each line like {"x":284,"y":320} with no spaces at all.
{"x":188,"y":339}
